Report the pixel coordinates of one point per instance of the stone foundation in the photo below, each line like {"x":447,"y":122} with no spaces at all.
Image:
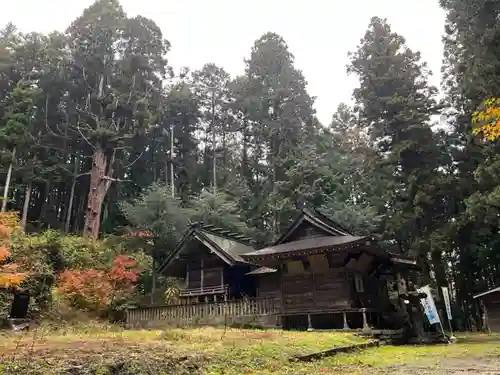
{"x":265,"y":321}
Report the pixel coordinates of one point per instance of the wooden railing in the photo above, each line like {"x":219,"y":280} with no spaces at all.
{"x":206,"y":311}
{"x":219,"y":289}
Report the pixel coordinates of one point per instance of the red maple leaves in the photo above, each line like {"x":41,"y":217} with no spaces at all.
{"x":93,"y":289}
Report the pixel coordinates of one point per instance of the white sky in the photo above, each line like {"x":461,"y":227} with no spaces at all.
{"x":318,"y":32}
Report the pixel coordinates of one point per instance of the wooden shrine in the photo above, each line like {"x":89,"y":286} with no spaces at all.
{"x":317,"y":275}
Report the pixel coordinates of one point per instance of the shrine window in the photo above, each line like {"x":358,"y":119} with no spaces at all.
{"x":358,"y":283}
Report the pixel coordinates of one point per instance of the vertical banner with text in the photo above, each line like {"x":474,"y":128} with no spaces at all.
{"x":429,"y":306}
{"x":447,"y":302}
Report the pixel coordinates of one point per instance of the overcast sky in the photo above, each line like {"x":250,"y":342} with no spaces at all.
{"x":319,"y":33}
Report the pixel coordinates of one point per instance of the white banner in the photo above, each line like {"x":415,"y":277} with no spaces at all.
{"x":447,"y":302}
{"x":429,"y":305}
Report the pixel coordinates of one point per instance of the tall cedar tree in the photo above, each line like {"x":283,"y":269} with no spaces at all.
{"x":117,"y":64}
{"x":396,"y":104}
{"x":471,"y":73}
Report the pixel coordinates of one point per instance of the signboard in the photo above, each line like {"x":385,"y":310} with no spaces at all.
{"x":429,"y":306}
{"x":447,"y":303}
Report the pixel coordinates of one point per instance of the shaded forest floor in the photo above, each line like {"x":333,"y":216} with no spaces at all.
{"x":216,"y":351}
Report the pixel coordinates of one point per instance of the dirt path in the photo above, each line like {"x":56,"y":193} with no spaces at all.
{"x":473,"y":365}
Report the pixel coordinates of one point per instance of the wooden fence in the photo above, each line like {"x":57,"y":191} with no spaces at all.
{"x":211,"y":311}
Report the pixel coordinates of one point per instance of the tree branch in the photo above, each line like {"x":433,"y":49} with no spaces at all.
{"x":85,"y":138}
{"x":136,"y":159}
{"x":125,"y":136}
{"x":112,"y":179}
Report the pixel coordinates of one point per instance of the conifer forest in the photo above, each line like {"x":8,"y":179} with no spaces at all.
{"x":101,"y":138}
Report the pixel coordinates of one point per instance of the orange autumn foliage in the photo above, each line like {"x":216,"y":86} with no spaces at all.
{"x":10,"y":220}
{"x":488,"y":119}
{"x":94,"y":289}
{"x":10,"y":273}
{"x":87,"y":289}
{"x":124,"y":273}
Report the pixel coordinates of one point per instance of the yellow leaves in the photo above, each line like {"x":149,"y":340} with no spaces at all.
{"x":10,"y":275}
{"x":488,"y":119}
{"x":11,"y":279}
{"x":10,"y":219}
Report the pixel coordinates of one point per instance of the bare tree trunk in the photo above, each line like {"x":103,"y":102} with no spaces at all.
{"x":80,"y":213}
{"x":166,"y":172}
{"x":153,"y":283}
{"x":27,"y":198}
{"x":99,"y":186}
{"x":7,"y":182}
{"x":70,"y":205}
{"x":105,"y":212}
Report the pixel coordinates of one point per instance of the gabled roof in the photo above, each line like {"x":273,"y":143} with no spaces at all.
{"x":318,"y":220}
{"x":227,"y":248}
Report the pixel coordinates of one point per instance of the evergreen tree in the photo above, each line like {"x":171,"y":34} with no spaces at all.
{"x":396,"y":104}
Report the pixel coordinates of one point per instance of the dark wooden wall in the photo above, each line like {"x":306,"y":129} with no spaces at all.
{"x":269,"y":286}
{"x":211,"y":265}
{"x":492,"y":304}
{"x":318,"y":287}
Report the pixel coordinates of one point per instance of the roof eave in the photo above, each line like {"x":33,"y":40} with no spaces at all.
{"x":175,"y":252}
{"x":491,"y":291}
{"x":195,"y":233}
{"x":225,"y":256}
{"x":288,"y":254}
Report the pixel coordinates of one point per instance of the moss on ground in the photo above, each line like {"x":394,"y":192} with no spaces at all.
{"x":211,"y":351}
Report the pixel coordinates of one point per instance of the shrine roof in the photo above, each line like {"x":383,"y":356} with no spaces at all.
{"x":309,"y":245}
{"x":317,"y":219}
{"x":226,"y":245}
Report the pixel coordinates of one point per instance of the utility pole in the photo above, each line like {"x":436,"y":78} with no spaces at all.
{"x":172,"y":185}
{"x":214,"y":142}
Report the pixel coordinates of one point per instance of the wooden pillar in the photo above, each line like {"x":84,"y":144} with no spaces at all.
{"x":222,"y":277}
{"x":365,"y":321}
{"x":313,"y":281}
{"x":485,"y":319}
{"x":346,"y":325}
{"x":282,"y":300}
{"x":202,"y":275}
{"x":187,"y":276}
{"x":309,"y":323}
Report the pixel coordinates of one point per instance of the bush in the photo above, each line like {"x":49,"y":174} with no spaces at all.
{"x":100,"y":278}
{"x":99,"y":291}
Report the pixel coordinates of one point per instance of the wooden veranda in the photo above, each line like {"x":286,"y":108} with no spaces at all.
{"x":263,"y":312}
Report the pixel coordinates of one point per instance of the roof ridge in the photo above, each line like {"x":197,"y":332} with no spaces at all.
{"x":224,"y":233}
{"x":315,"y":212}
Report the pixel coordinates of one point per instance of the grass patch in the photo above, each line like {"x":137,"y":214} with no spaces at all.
{"x":471,"y":349}
{"x":107,"y":350}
